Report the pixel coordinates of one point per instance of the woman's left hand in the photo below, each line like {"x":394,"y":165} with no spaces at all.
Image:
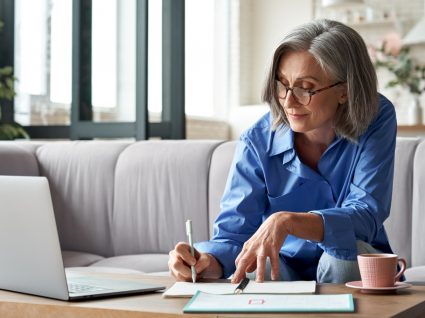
{"x":266,"y":242}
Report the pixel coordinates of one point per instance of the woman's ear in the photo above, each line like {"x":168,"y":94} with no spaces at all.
{"x":342,"y":94}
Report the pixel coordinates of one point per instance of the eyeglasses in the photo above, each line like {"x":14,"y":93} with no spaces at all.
{"x":301,"y":95}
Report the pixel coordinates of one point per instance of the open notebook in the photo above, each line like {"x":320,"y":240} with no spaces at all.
{"x":185,"y":289}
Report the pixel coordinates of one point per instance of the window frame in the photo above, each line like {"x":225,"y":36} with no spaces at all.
{"x":82,"y":125}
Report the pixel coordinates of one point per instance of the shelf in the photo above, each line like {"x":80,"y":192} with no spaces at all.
{"x":411,"y":128}
{"x":376,"y":23}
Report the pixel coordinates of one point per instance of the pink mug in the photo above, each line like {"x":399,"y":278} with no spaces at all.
{"x":380,"y":270}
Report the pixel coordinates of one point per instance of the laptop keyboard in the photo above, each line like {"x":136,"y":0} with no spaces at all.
{"x":74,"y":288}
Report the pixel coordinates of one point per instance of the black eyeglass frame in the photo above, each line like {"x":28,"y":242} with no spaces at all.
{"x":310,"y":93}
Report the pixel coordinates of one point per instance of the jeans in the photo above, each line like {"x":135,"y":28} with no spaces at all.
{"x":329,"y":269}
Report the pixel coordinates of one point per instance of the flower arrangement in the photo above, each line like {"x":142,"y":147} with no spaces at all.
{"x":396,"y":59}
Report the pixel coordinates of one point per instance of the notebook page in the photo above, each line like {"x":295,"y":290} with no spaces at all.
{"x":187,"y":289}
{"x":278,"y":287}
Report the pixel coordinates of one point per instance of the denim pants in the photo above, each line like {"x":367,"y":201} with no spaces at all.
{"x":329,"y":269}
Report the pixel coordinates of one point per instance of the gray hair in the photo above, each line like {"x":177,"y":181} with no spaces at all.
{"x":343,"y":55}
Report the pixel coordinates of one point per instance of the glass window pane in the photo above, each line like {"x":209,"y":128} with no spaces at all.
{"x":104,"y":53}
{"x":61,"y":53}
{"x":113,"y":60}
{"x":199,"y":57}
{"x":154,"y":60}
{"x":43,"y":31}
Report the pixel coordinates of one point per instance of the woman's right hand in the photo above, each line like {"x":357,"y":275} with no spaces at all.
{"x":181,"y":260}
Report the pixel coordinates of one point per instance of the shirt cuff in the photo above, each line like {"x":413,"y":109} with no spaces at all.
{"x":339,"y":239}
{"x":225,"y":254}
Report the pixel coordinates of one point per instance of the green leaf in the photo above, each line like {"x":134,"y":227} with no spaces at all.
{"x":7,"y":90}
{"x":12,"y":131}
{"x":9,"y":82}
{"x":393,"y":83}
{"x":7,"y":70}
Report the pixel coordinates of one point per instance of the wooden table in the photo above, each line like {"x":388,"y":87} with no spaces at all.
{"x":406,"y":303}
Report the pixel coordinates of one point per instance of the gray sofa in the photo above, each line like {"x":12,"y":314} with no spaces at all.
{"x":124,"y":204}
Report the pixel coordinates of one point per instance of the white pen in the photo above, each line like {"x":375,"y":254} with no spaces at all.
{"x":192,"y":251}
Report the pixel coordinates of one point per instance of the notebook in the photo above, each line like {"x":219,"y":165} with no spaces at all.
{"x":266,"y":303}
{"x":185,"y":289}
{"x":31,"y":259}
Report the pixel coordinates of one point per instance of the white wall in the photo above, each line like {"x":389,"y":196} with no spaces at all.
{"x":263,"y":24}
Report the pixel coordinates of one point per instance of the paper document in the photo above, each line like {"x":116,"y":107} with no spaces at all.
{"x":242,"y":303}
{"x":185,"y":289}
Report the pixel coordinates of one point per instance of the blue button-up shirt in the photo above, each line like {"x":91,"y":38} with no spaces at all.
{"x":351,"y":190}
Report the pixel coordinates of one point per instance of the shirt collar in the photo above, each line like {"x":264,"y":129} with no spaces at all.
{"x":282,"y":141}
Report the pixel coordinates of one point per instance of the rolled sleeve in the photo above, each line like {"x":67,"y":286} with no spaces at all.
{"x":224,"y":253}
{"x":339,"y":238}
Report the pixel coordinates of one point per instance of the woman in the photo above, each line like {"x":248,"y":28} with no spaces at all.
{"x":310,"y":184}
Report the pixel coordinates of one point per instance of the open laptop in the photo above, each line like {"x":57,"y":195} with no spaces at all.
{"x":30,"y":254}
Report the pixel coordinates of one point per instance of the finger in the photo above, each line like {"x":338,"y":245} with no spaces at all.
{"x":181,"y":268}
{"x":274,"y":264}
{"x":202,"y":263}
{"x":238,"y":276}
{"x":261,"y":268}
{"x":252,"y":267}
{"x":174,"y":273}
{"x":197,"y":253}
{"x":178,"y":267}
{"x":242,"y":253}
{"x":181,"y":278}
{"x":240,"y":271}
{"x":183,"y":251}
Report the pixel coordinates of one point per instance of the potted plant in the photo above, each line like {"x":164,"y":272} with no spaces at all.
{"x":407,"y":72}
{"x":7,"y":92}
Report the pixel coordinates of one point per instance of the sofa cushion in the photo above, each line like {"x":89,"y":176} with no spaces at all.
{"x":418,"y":207}
{"x":219,"y":170}
{"x":158,"y":186}
{"x":72,"y":272}
{"x":76,"y":259}
{"x":142,"y":262}
{"x":415,"y":274}
{"x":81,"y":179}
{"x":399,"y":223}
{"x":17,"y":160}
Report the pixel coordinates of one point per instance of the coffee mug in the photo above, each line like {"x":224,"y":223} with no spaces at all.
{"x":380,"y":270}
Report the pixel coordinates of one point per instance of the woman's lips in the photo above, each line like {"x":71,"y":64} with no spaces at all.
{"x":297,"y":116}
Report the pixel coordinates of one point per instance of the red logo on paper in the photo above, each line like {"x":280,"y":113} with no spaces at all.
{"x":256,"y":301}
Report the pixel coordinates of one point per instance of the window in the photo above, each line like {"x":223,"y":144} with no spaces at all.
{"x":94,"y":65}
{"x":43,"y":61}
{"x":208,"y":37}
{"x":114,"y":60}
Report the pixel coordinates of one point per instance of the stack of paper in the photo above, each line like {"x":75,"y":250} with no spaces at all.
{"x":184,"y":289}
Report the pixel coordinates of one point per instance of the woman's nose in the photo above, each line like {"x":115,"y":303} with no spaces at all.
{"x":290,"y":100}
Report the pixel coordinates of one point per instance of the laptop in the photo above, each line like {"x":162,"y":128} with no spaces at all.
{"x":30,"y":253}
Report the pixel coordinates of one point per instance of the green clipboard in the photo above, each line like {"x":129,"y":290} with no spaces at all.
{"x":268,"y":303}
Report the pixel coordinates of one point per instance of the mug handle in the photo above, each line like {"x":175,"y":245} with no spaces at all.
{"x":401,"y":261}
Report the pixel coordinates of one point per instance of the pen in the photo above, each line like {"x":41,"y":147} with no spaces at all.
{"x":242,"y":286}
{"x":189,"y":235}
